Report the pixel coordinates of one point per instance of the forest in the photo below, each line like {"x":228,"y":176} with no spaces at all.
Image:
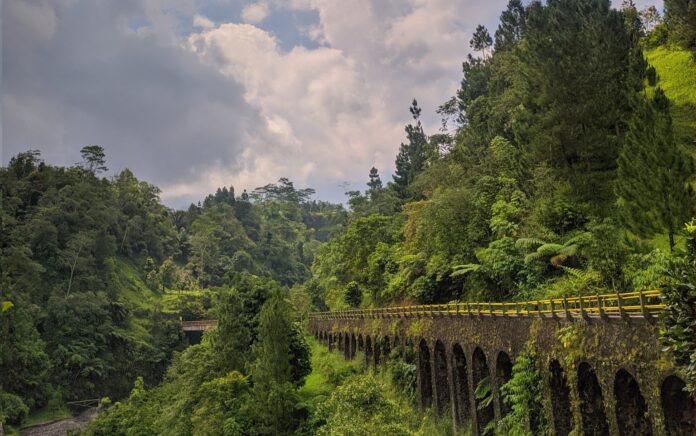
{"x":563,"y":166}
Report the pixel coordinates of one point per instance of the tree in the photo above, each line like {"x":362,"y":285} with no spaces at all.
{"x":414,"y":156}
{"x":511,"y":27}
{"x":650,"y":18}
{"x":274,"y":397}
{"x":481,"y":40}
{"x":231,"y":339}
{"x":375,"y":182}
{"x":353,"y":294}
{"x":653,"y":176}
{"x":93,"y":159}
{"x":680,"y":17}
{"x":574,"y":115}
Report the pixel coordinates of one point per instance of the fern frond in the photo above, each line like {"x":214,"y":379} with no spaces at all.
{"x":528,"y":243}
{"x":460,"y":270}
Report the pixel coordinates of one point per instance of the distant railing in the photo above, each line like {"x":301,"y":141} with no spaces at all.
{"x":198,"y":326}
{"x":622,"y":305}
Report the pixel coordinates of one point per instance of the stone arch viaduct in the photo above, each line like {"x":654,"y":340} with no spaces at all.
{"x":600,"y":360}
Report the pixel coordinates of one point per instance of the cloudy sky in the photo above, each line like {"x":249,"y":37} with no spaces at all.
{"x":192,"y":94}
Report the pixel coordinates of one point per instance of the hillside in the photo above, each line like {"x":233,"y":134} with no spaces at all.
{"x":676,"y":69}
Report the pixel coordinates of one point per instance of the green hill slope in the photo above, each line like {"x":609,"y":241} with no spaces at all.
{"x":677,"y":72}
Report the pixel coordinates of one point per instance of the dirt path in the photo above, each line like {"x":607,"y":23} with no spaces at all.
{"x":60,"y":428}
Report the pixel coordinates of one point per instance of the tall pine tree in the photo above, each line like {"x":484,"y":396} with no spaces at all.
{"x":275,"y":401}
{"x":511,"y":27}
{"x":655,"y":194}
{"x":414,"y":156}
{"x":576,"y":59}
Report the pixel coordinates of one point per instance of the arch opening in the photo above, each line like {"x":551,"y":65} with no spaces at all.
{"x":346,"y":346}
{"x":368,"y":351}
{"x":386,"y":349}
{"x":677,"y":407}
{"x":352,"y":346}
{"x":377,"y":353}
{"x":441,"y":385}
{"x":503,"y":374}
{"x":560,"y":400}
{"x":631,"y":410}
{"x":460,"y":383}
{"x":425,"y":380}
{"x":482,"y":386}
{"x":594,"y":419}
{"x":361,"y":344}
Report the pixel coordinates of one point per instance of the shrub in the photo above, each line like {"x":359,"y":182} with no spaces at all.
{"x":12,"y":409}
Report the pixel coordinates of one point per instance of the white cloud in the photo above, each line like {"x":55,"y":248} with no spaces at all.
{"x":340,"y":108}
{"x":255,"y":13}
{"x":202,"y":22}
{"x":230,"y":103}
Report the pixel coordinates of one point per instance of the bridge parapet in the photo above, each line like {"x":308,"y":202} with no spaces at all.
{"x":624,"y":305}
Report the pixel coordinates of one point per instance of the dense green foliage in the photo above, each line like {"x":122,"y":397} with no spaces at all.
{"x":557,"y":177}
{"x":96,"y":273}
{"x":563,"y":167}
{"x":523,"y":394}
{"x":678,"y":321}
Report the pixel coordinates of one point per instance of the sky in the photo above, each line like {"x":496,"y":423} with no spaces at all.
{"x":193,"y":95}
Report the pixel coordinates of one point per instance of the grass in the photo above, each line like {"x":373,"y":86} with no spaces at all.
{"x":329,"y":369}
{"x":126,"y":279}
{"x":45,"y":415}
{"x":677,"y":77}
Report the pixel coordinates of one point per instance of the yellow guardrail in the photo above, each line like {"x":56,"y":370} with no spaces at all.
{"x":628,"y":304}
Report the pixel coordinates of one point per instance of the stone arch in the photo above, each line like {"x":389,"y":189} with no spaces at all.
{"x":386,"y":349}
{"x":677,"y":407}
{"x":441,"y":383}
{"x":361,"y":344}
{"x":460,"y":383}
{"x":353,"y":345}
{"x":594,"y":419}
{"x":425,"y":375}
{"x":503,"y":374}
{"x":481,"y":377}
{"x":631,"y":409}
{"x":560,"y":400}
{"x":346,"y":346}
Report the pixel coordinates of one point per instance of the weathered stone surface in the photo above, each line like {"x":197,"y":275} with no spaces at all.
{"x":608,"y":345}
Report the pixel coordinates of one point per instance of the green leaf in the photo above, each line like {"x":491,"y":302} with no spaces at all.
{"x":7,"y":305}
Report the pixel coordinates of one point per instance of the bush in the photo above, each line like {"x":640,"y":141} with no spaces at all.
{"x":12,"y":409}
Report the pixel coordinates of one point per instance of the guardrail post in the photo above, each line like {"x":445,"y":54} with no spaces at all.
{"x":600,"y":301}
{"x":541,"y":315}
{"x":468,"y":310}
{"x":582,"y":308}
{"x":490,"y":309}
{"x":643,"y":310}
{"x":565,"y":307}
{"x":553,"y":309}
{"x":619,"y":301}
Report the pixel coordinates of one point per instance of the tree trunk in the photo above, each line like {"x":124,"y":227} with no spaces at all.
{"x":671,"y":241}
